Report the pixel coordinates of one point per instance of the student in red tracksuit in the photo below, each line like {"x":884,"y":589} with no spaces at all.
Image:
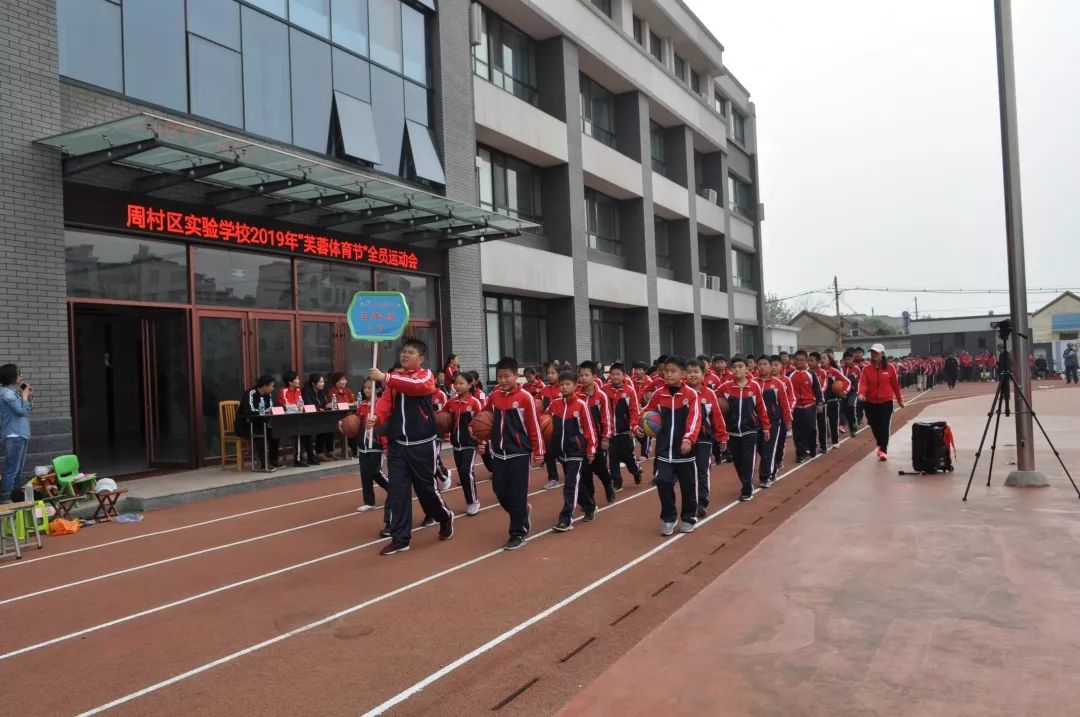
{"x":832,"y":400}
{"x":573,"y":438}
{"x":533,"y":385}
{"x":852,"y":371}
{"x":878,"y":388}
{"x":785,"y":430}
{"x":599,"y":404}
{"x":713,"y":431}
{"x":643,"y":388}
{"x":547,"y":395}
{"x":785,"y":363}
{"x":813,"y":360}
{"x":463,"y":407}
{"x":407,"y":410}
{"x":746,"y":418}
{"x":625,"y":410}
{"x":680,"y":422}
{"x":514,"y":436}
{"x":370,"y":448}
{"x":809,"y":400}
{"x":774,"y":392}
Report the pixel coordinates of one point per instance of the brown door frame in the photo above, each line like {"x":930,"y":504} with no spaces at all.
{"x":196,"y":351}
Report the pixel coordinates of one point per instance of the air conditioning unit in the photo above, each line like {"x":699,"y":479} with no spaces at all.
{"x":712,"y":195}
{"x":714,"y":283}
{"x":476,"y":24}
{"x":703,"y":280}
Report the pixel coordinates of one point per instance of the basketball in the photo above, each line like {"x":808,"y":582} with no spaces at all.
{"x":838,"y":387}
{"x":443,"y":423}
{"x":651,"y":423}
{"x":546,"y":428}
{"x":723,"y":405}
{"x":481,"y":425}
{"x":351,"y":426}
{"x":539,"y":405}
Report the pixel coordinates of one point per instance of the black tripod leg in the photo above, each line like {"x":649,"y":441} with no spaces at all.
{"x":993,"y":443}
{"x":994,"y":408}
{"x":1048,"y":441}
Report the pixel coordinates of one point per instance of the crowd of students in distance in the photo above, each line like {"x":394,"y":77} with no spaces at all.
{"x":686,"y":413}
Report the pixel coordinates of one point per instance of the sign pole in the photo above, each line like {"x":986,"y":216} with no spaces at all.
{"x":371,"y":403}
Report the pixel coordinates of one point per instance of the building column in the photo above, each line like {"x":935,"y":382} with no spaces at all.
{"x":725,"y":202}
{"x":684,"y":144}
{"x":455,"y":131}
{"x":759,"y":216}
{"x":34,"y":294}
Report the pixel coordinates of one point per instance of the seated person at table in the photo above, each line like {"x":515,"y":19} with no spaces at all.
{"x":254,"y":402}
{"x":291,"y":398}
{"x":339,"y":389}
{"x":318,"y":448}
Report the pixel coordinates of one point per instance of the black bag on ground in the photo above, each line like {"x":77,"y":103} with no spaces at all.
{"x":930,"y":447}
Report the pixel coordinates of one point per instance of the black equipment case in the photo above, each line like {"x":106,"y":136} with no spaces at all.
{"x":930,"y":443}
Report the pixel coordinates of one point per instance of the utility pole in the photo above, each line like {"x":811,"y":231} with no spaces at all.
{"x":839,"y":321}
{"x":916,"y":308}
{"x":1025,"y":473}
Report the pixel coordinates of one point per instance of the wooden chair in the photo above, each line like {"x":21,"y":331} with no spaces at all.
{"x":227,"y":431}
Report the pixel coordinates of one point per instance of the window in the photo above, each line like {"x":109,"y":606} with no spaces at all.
{"x":603,"y":6}
{"x":215,"y":20}
{"x":386,"y":33}
{"x":506,"y":57}
{"x":508,"y":185}
{"x":388,"y":102}
{"x":275,"y":6}
{"x":667,"y":334}
{"x":215,"y":81}
{"x":663,"y":245}
{"x":656,"y":139}
{"x":982,"y":340}
{"x":352,"y":75}
{"x":419,"y":292}
{"x":101,"y":266}
{"x":327,"y":287}
{"x":703,"y":256}
{"x":416,"y":104}
{"x":235,"y":278}
{"x":639,"y":31}
{"x":719,"y":102}
{"x":356,"y":129}
{"x":695,"y":81}
{"x":424,"y":164}
{"x":656,"y":47}
{"x":742,"y":270}
{"x":602,"y":218}
{"x":740,"y":197}
{"x":738,"y":126}
{"x":597,"y":112}
{"x":313,"y":15}
{"x":744,"y":340}
{"x":312,"y":94}
{"x":680,"y":68}
{"x":608,"y":335}
{"x":515,"y":327}
{"x":414,"y":43}
{"x":267,"y":109}
{"x":89,"y":39}
{"x":349,"y":24}
{"x":155,"y":61}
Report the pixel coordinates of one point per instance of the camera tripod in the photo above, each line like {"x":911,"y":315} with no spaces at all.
{"x":1001,"y":402}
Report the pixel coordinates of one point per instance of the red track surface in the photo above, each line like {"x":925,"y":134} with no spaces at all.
{"x":321,"y":623}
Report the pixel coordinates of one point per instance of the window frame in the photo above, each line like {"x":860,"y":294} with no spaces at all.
{"x":657,"y":149}
{"x":743,"y":270}
{"x":740,"y":197}
{"x":639,"y":30}
{"x":603,"y":6}
{"x":589,"y":93}
{"x":738,"y":126}
{"x":522,"y":310}
{"x":656,"y":46}
{"x":499,"y":163}
{"x":662,"y":242}
{"x":603,"y":320}
{"x":612,"y":244}
{"x":494,"y":26}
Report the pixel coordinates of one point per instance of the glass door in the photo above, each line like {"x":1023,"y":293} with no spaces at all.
{"x":221,"y":357}
{"x":320,"y":346}
{"x":272,"y":344}
{"x":166,"y":389}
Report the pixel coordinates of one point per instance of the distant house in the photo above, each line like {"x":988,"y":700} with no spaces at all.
{"x":818,"y":331}
{"x":781,"y":338}
{"x":1059,"y":320}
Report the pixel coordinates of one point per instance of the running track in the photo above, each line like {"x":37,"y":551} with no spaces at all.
{"x":277,"y":601}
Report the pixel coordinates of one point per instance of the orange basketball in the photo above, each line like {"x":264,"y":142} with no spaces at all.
{"x":481,"y":425}
{"x":351,"y":426}
{"x":838,"y":387}
{"x":546,"y":428}
{"x":723,"y":405}
{"x":443,"y":423}
{"x":539,"y":405}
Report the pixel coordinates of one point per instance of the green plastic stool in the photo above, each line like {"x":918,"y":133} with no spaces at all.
{"x":23,"y":526}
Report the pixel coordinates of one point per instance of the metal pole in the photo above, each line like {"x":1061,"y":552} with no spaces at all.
{"x":1025,"y":473}
{"x":839,"y":321}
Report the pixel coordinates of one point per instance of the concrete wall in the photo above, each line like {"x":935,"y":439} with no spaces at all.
{"x":1041,"y":323}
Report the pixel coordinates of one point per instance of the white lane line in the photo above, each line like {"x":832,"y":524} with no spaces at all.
{"x":520,"y":627}
{"x":184,"y":556}
{"x":330,"y":618}
{"x":209,"y":593}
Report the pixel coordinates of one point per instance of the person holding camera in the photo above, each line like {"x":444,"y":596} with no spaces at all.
{"x":16,"y":402}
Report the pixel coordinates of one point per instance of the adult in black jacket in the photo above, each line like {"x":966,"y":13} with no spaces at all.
{"x":952,"y":370}
{"x":256,"y":401}
{"x":320,"y":447}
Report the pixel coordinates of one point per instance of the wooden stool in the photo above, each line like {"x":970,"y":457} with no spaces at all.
{"x":106,"y":509}
{"x":63,"y":505}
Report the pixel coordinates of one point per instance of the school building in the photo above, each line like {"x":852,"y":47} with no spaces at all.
{"x":192,"y":191}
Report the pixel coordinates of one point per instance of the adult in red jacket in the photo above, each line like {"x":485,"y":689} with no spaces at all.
{"x":878,"y":388}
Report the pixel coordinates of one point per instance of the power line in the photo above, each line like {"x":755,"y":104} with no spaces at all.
{"x":1049,"y":290}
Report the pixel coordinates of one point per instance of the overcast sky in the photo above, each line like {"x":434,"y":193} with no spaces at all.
{"x":879,"y":144}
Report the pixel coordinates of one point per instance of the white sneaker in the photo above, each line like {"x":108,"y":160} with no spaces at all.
{"x":473,"y":508}
{"x":551,"y":485}
{"x":667,"y":529}
{"x":686,"y":527}
{"x":365,"y":508}
{"x":445,"y":484}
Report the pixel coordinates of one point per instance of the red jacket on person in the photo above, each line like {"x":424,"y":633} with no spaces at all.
{"x":879,"y":384}
{"x":807,"y":388}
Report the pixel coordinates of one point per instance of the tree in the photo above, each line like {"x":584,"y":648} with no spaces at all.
{"x":777,"y":312}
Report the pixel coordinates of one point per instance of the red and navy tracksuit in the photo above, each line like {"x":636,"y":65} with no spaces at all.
{"x":713,"y":432}
{"x":515,"y":435}
{"x":599,"y":404}
{"x":463,"y":410}
{"x":721,"y":456}
{"x":808,"y":397}
{"x":643,"y":387}
{"x":746,"y":418}
{"x":370,"y":450}
{"x":774,"y":392}
{"x":833,"y":402}
{"x":626,"y":413}
{"x":574,"y":443}
{"x":547,"y":395}
{"x":879,"y":386}
{"x":680,"y":420}
{"x":852,"y":373}
{"x":407,"y":407}
{"x":440,"y":398}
